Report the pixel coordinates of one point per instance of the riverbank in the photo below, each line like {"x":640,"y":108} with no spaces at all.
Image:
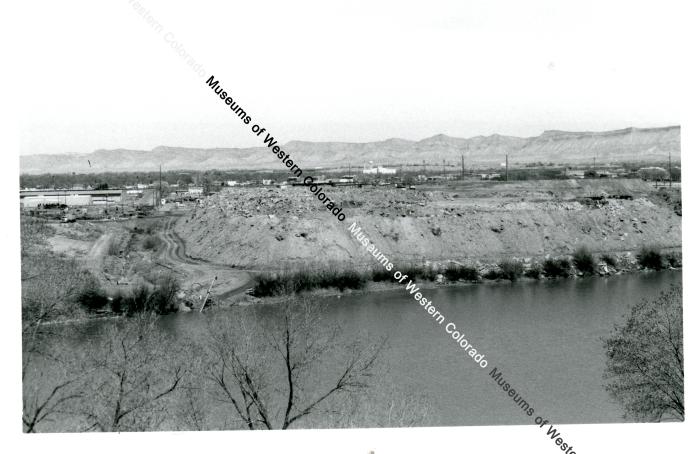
{"x":487,"y":275}
{"x":631,"y":267}
{"x":581,"y":263}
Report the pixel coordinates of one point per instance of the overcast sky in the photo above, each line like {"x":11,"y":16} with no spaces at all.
{"x":96,"y":75}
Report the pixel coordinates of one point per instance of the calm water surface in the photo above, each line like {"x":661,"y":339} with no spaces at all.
{"x":544,"y":336}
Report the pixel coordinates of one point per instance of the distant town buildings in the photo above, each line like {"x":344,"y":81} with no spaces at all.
{"x":378,"y":170}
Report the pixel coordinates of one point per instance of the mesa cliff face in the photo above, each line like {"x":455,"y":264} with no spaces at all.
{"x":629,"y":144}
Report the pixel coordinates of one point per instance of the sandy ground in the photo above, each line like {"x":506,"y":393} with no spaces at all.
{"x":69,"y":246}
{"x":270,"y":228}
{"x":197,"y":275}
{"x":90,"y":243}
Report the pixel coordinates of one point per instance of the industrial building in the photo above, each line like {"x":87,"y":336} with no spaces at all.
{"x":32,"y":198}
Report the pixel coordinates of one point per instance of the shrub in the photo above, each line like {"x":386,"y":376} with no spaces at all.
{"x":511,"y":269}
{"x":381,"y":275}
{"x":268,"y":284}
{"x":610,"y":260}
{"x":583,"y":260}
{"x":138,"y":300}
{"x":556,"y":268}
{"x":118,"y":303}
{"x":92,"y":297}
{"x":348,"y":279}
{"x":650,"y":257}
{"x":151,"y":242}
{"x":457,"y":272}
{"x":492,"y":275}
{"x":674,"y":259}
{"x":534,"y":272}
{"x":163,"y":296}
{"x":114,"y":247}
{"x":428,"y":273}
{"x":415,"y":272}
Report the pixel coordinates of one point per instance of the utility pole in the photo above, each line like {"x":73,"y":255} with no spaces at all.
{"x":443,"y":167}
{"x":424,"y":167}
{"x":669,"y":169}
{"x":462,"y":167}
{"x":207,"y":296}
{"x":160,"y":183}
{"x":506,"y":167}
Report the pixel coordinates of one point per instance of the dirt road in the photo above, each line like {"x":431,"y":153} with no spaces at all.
{"x":196,"y":274}
{"x":94,"y":259}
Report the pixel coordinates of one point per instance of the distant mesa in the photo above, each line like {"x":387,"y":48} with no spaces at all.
{"x":630,"y":144}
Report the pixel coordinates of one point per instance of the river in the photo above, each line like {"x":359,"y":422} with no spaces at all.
{"x":544,"y":336}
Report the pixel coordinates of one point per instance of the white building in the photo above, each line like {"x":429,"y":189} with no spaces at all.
{"x":378,"y":170}
{"x":68,"y":200}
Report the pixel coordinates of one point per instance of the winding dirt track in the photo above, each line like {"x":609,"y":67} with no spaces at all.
{"x":230,"y":282}
{"x":94,"y":258}
{"x":174,"y":250}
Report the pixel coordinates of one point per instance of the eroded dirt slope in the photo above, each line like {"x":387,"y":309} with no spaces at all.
{"x":273,"y":228}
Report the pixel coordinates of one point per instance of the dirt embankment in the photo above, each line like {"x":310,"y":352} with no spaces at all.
{"x":124,"y":254}
{"x":478,"y":221}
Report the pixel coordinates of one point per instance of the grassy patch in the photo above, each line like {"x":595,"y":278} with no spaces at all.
{"x":674,"y":259}
{"x":114,"y":247}
{"x":273,"y":284}
{"x":460,"y":272}
{"x":381,"y":275}
{"x":609,"y":260}
{"x":510,"y":269}
{"x":415,"y":272}
{"x":534,"y":272}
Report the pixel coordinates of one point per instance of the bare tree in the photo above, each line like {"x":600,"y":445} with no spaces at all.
{"x":42,"y":404}
{"x":288,"y":370}
{"x":49,"y":285}
{"x":644,"y":369}
{"x":387,"y":407}
{"x":137,"y":369}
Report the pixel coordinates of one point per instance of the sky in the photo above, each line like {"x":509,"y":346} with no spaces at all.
{"x":97,"y":75}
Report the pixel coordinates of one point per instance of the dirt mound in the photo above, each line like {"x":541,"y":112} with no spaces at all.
{"x":276,"y":228}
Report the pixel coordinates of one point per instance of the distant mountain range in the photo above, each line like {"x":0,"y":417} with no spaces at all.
{"x":631,"y":144}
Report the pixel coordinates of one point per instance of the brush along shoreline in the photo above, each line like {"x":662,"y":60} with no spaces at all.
{"x":271,"y":285}
{"x":628,"y":263}
{"x":581,"y":263}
